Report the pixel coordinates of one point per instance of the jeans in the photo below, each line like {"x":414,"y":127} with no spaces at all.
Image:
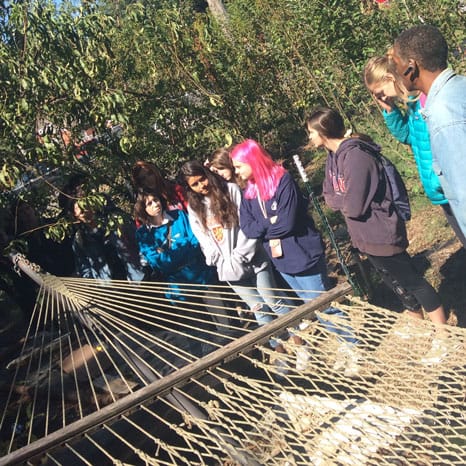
{"x":260,"y":294}
{"x":259,"y":291}
{"x":451,"y":219}
{"x":308,"y":287}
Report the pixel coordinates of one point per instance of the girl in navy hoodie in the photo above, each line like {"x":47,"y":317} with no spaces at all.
{"x":274,"y":211}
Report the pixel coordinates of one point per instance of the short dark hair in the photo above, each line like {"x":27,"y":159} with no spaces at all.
{"x":425,"y":44}
{"x":327,"y":122}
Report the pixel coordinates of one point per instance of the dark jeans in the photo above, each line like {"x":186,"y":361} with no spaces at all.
{"x":451,"y":219}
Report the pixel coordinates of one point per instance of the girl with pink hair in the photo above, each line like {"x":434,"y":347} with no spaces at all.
{"x":274,"y":211}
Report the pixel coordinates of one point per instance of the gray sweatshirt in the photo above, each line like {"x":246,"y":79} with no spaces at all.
{"x":228,"y":249}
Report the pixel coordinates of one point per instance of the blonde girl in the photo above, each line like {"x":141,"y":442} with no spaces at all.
{"x":406,"y":124}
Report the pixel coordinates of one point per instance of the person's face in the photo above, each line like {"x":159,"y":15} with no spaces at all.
{"x":243,"y":170}
{"x":84,"y":216}
{"x":153,"y":206}
{"x":315,"y":138}
{"x":225,"y":173}
{"x":384,"y":90}
{"x":404,"y":69}
{"x":199,"y":184}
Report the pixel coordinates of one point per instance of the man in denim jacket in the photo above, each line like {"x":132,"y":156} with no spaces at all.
{"x":420,"y":56}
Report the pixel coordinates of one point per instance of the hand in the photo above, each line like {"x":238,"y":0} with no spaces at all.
{"x":386,"y":103}
{"x":214,"y":258}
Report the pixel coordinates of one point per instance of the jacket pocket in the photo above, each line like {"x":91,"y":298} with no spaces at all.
{"x":231,"y":270}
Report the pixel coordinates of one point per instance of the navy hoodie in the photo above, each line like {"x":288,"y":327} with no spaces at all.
{"x":355,"y":185}
{"x":301,"y":243}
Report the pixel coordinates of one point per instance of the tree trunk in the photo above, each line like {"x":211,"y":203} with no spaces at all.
{"x":218,"y":10}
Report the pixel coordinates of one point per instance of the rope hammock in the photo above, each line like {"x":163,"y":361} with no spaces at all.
{"x":116,"y":373}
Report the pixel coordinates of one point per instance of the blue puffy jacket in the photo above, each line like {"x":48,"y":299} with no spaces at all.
{"x":410,"y":128}
{"x":173,"y":250}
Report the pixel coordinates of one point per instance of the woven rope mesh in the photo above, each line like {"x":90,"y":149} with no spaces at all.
{"x":106,"y":378}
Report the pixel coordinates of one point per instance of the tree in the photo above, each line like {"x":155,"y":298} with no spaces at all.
{"x":218,"y":10}
{"x":177,"y":82}
{"x":55,"y":66}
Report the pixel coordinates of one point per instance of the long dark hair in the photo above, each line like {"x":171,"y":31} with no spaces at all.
{"x":221,"y":204}
{"x":147,"y":178}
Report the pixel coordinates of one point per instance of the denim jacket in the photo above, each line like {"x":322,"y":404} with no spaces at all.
{"x":445,"y":113}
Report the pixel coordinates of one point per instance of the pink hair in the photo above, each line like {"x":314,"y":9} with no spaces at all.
{"x":266,"y":174}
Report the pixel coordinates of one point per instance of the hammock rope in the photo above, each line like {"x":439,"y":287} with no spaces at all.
{"x":105,"y":375}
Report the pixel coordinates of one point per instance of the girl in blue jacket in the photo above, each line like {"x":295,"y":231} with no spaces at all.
{"x":168,"y":244}
{"x":408,"y":127}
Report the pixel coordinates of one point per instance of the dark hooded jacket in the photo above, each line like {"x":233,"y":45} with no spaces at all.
{"x":355,"y":184}
{"x":300,"y":241}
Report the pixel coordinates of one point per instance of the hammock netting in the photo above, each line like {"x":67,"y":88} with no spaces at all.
{"x":123,"y":373}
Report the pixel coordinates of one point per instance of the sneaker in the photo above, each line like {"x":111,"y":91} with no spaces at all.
{"x":347,"y":358}
{"x":303,"y":325}
{"x":352,"y":365}
{"x":303,"y":356}
{"x":441,"y":347}
{"x":409,"y":328}
{"x":280,"y":364}
{"x":340,"y":357}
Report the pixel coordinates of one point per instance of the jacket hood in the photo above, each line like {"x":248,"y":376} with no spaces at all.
{"x":361,"y":143}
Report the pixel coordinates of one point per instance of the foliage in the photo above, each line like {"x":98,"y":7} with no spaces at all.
{"x":54,"y":66}
{"x":182,"y":83}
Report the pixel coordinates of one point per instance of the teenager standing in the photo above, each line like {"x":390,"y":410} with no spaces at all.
{"x":274,"y":211}
{"x":213,"y":207}
{"x":355,"y":185}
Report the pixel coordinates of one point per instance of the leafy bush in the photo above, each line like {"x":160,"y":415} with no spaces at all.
{"x":182,"y":83}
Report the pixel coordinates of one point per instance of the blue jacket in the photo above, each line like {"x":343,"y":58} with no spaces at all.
{"x":173,"y":250}
{"x":410,"y":128}
{"x":300,"y":241}
{"x":445,"y":113}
